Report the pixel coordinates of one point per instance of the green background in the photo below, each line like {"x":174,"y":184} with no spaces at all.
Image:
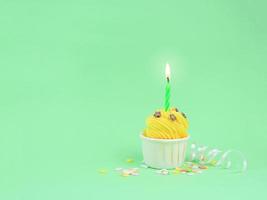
{"x":78,"y":78}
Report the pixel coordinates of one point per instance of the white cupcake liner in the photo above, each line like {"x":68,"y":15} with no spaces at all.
{"x":163,"y":153}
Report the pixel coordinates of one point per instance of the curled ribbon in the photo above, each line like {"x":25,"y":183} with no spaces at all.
{"x":203,"y":155}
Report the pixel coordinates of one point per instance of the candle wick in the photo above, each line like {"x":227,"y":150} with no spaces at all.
{"x":168,"y":79}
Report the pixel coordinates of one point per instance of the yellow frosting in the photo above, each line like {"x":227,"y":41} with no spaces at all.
{"x":165,"y":126}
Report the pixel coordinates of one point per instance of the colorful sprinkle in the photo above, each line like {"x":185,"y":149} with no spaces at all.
{"x":213,"y":162}
{"x":163,"y":172}
{"x":203,"y":167}
{"x":194,"y":167}
{"x":184,"y":115}
{"x":157,"y":114}
{"x":102,"y":171}
{"x":175,"y":172}
{"x":172,"y":117}
{"x":129,"y":172}
{"x":129,"y":160}
{"x":178,"y":169}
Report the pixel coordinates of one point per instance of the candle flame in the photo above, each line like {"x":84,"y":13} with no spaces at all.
{"x":168,"y":71}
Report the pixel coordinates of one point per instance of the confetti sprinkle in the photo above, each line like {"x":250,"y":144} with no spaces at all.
{"x":163,"y":172}
{"x":135,"y":174}
{"x":124,"y":174}
{"x":175,"y":172}
{"x":129,"y":172}
{"x":194,"y":167}
{"x":213,"y":162}
{"x":102,"y":171}
{"x":129,"y":160}
{"x":203,"y":167}
{"x":189,"y":168}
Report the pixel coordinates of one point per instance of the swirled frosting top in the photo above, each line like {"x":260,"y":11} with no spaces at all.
{"x":170,"y":124}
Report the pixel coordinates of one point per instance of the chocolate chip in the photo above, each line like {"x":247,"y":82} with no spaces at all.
{"x":157,"y":114}
{"x":184,"y":115}
{"x":172,"y":117}
{"x":176,"y":109}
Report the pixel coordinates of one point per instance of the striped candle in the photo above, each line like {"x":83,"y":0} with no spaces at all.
{"x":168,"y":88}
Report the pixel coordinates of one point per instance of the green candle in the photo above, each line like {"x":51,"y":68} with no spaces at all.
{"x":168,"y":88}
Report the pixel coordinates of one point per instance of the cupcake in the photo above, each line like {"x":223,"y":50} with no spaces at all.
{"x":165,"y":138}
